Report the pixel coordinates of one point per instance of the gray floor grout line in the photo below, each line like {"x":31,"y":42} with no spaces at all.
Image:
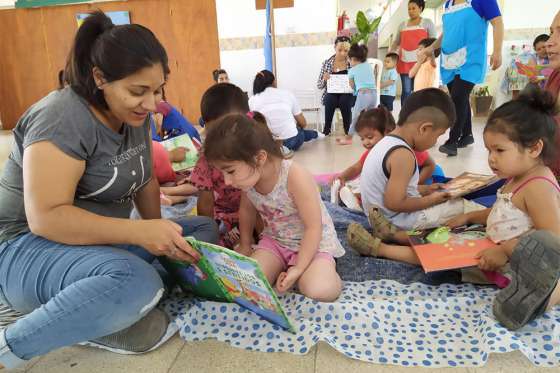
{"x":177,"y":355}
{"x":315,"y":359}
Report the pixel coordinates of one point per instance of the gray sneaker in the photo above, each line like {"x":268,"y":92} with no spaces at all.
{"x":145,"y":335}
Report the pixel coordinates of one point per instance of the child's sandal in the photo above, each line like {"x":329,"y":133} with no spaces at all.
{"x":381,"y":226}
{"x":535,"y":266}
{"x":361,"y":241}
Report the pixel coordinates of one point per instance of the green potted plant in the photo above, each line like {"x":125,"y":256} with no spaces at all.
{"x":365,"y":28}
{"x":482,"y":101}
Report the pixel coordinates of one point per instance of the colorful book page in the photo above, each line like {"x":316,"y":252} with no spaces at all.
{"x":468,"y":182}
{"x":191,"y":156}
{"x":444,"y":248}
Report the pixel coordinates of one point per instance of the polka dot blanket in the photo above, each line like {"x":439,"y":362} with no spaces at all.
{"x":382,"y":322}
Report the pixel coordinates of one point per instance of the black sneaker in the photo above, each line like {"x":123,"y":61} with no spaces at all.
{"x":465,"y":141}
{"x":449,"y":148}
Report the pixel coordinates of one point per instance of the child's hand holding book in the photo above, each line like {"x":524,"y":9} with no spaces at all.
{"x":492,"y":259}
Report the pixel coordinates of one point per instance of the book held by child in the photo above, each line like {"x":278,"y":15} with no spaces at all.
{"x":225,"y":276}
{"x":444,"y":248}
{"x":468,"y":182}
{"x":191,"y":155}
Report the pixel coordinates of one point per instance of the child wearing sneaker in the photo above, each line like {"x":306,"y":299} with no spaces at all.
{"x":389,"y":186}
{"x":519,"y":137}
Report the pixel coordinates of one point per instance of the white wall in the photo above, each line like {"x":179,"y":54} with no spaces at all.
{"x":524,"y":14}
{"x":297,"y":67}
{"x":7,"y":3}
{"x":239,"y":18}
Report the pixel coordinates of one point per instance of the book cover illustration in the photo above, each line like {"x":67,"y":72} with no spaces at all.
{"x":538,"y":72}
{"x":444,"y":248}
{"x":468,"y":182}
{"x":226,"y":276}
{"x":191,"y":156}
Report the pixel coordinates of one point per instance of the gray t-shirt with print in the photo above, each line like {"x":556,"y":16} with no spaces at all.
{"x":117,"y":165}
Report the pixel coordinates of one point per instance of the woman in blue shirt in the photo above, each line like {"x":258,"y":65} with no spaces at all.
{"x":464,"y":58}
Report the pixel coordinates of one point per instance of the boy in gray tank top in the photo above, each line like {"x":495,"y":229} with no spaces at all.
{"x":389,"y":186}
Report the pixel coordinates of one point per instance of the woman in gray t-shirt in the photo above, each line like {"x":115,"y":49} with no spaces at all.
{"x":71,"y":260}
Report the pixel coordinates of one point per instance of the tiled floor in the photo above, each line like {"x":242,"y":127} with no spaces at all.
{"x":212,"y":356}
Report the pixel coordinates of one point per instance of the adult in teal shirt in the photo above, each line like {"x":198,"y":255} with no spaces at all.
{"x":464,"y":59}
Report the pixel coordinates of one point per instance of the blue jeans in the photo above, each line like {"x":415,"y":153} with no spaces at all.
{"x":294,"y":143}
{"x":365,"y":100}
{"x":73,"y":294}
{"x":407,"y":87}
{"x":387,"y":101}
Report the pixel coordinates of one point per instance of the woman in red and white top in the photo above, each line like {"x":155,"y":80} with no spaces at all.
{"x":408,"y":37}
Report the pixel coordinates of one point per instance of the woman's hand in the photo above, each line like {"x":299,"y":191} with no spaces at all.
{"x":286,"y":280}
{"x":178,"y":154}
{"x":496,"y":60}
{"x":492,"y":259}
{"x":164,"y":237}
{"x":326,"y":76}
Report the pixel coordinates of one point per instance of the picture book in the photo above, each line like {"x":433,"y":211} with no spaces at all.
{"x":468,"y":182}
{"x":445,"y":248}
{"x":539,"y":72}
{"x":191,"y":156}
{"x":339,"y":83}
{"x":225,"y":276}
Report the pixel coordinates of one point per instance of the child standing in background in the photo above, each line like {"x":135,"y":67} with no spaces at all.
{"x":424,"y":72}
{"x":389,"y":81}
{"x":362,"y":81}
{"x":541,"y":56}
{"x":299,"y":242}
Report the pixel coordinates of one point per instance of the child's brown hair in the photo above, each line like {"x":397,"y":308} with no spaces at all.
{"x":238,"y":137}
{"x":379,"y":119}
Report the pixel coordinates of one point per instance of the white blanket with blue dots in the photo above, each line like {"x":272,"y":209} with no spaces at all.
{"x":380,"y":322}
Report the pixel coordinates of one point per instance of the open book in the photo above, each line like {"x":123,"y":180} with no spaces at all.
{"x":226,"y":276}
{"x":191,"y":156}
{"x":339,"y":83}
{"x":468,"y":182}
{"x":444,"y":248}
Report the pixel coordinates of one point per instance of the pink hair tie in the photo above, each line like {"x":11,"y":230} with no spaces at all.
{"x":250,"y":114}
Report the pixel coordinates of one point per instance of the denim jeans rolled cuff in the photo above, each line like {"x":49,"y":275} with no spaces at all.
{"x":7,"y":358}
{"x":366,"y":99}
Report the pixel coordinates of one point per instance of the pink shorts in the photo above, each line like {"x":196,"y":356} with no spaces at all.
{"x":287,"y":257}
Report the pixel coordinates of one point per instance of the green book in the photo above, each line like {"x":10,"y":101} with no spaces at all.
{"x":191,"y":156}
{"x":225,"y":276}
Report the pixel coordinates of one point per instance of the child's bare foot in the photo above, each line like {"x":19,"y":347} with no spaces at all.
{"x":381,"y":226}
{"x":361,"y":241}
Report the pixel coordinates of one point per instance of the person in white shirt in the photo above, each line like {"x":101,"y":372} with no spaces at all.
{"x":282,"y":112}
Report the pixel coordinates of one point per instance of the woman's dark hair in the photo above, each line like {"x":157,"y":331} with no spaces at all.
{"x":118,"y":51}
{"x":216,"y":74}
{"x":427,"y":42}
{"x":263,"y":80}
{"x":379,"y":119}
{"x":341,"y":39}
{"x":421,"y":4}
{"x":358,"y":52}
{"x":221,"y":99}
{"x":237,"y":137}
{"x":429,"y":104}
{"x":527,"y":120}
{"x":542,"y":38}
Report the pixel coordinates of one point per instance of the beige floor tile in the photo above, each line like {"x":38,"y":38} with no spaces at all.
{"x":512,"y":362}
{"x":212,"y":356}
{"x":331,"y":361}
{"x":86,"y":360}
